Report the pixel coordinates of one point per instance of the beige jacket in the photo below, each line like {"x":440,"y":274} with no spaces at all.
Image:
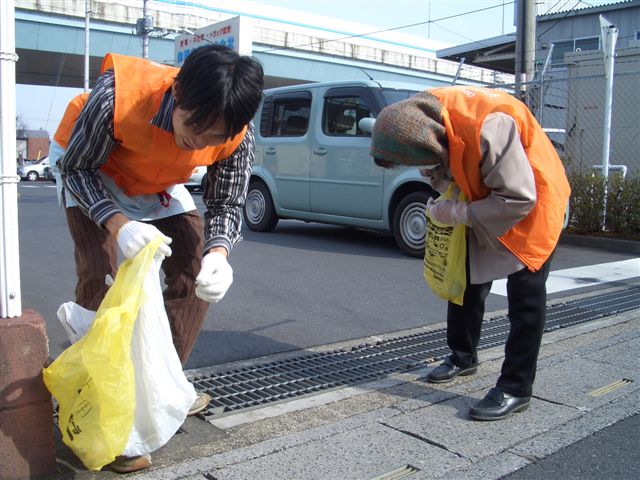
{"x":506,"y":171}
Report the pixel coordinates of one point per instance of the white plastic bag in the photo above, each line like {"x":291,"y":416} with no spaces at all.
{"x":163,"y":393}
{"x":75,"y":320}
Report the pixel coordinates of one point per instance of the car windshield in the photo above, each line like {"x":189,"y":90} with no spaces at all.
{"x":392,"y":96}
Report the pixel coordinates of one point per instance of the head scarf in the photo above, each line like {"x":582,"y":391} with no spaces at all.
{"x":411,"y":132}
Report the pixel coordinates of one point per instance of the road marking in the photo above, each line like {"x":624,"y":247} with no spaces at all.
{"x":39,"y":186}
{"x":570,"y":278}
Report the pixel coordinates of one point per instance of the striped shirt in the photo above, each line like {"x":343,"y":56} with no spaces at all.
{"x":93,"y":140}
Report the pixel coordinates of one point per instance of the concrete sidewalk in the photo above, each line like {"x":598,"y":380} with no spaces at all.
{"x":588,"y":378}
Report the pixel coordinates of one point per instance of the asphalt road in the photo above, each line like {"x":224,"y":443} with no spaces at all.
{"x":301,"y":285}
{"x":611,"y":454}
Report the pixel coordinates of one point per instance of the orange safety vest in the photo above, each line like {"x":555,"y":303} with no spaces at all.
{"x":532,"y":239}
{"x":146,"y":158}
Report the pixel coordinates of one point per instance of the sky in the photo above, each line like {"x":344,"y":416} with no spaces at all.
{"x":453,"y":21}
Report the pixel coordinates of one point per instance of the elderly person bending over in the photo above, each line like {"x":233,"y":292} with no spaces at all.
{"x":491,"y":147}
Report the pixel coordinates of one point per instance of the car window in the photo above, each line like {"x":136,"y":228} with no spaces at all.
{"x":341,"y":115}
{"x":392,"y":96}
{"x":286,"y":115}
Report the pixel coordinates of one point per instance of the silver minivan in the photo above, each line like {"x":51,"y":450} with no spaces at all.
{"x":313,"y":164}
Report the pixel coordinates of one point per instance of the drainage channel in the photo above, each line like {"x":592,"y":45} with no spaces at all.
{"x":307,"y":374}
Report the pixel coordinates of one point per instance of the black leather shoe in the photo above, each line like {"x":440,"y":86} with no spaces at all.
{"x":498,"y":405}
{"x":447,"y":371}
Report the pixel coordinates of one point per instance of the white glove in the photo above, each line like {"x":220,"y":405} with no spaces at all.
{"x":448,"y":212}
{"x":215,"y":277}
{"x":134,"y":236}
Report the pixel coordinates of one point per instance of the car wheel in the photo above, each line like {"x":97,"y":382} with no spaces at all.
{"x":32,"y":176}
{"x":410,"y":223}
{"x":259,"y":213}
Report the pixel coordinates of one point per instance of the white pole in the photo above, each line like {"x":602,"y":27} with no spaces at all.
{"x":609,"y":38}
{"x":609,"y":33}
{"x":542,"y":74}
{"x":87,"y":12}
{"x":10,"y":298}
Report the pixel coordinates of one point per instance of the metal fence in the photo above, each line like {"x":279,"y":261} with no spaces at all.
{"x":570,"y":107}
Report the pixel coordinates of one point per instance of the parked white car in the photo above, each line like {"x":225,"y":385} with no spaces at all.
{"x":37,"y":170}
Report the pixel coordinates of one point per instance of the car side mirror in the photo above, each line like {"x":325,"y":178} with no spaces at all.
{"x":366,"y":124}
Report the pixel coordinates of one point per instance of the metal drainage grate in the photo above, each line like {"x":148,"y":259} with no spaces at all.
{"x":272,"y":382}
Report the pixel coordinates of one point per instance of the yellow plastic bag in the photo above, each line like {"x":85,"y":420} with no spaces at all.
{"x":93,"y":380}
{"x":444,"y":256}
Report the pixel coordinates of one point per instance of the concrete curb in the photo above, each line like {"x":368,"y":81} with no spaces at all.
{"x":613,"y":244}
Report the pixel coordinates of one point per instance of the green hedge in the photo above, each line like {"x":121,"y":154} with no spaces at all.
{"x":586,"y":205}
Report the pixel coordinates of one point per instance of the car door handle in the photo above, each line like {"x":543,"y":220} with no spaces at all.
{"x":320,"y":151}
{"x":270,"y":151}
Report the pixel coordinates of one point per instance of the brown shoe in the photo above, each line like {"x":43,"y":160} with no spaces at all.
{"x":202,"y":400}
{"x":124,"y":464}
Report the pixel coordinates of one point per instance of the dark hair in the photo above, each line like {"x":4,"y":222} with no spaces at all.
{"x":216,"y":82}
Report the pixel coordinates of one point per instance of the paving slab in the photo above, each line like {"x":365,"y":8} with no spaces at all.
{"x":576,"y":382}
{"x":582,"y":339}
{"x":447,"y":424}
{"x":199,"y":462}
{"x":423,"y":401}
{"x":624,"y":353}
{"x":581,"y":427}
{"x":494,"y":466}
{"x":362,"y":453}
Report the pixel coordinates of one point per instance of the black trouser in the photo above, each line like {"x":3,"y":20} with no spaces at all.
{"x":527,"y":297}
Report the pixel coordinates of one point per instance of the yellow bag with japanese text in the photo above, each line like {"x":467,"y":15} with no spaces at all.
{"x":444,"y":255}
{"x":93,"y":380}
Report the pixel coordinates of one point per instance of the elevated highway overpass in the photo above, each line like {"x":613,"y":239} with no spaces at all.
{"x":50,"y":42}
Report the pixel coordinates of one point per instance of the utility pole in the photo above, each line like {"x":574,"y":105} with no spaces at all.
{"x":144,"y":26}
{"x":429,"y":22}
{"x":87,"y":12}
{"x":525,"y":43}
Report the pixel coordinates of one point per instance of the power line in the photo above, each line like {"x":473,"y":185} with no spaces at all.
{"x":390,"y":29}
{"x":572,"y":9}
